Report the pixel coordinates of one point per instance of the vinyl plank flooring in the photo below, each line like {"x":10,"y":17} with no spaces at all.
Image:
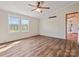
{"x":39,"y":46}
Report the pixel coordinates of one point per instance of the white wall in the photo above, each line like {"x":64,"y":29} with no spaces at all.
{"x":49,"y":27}
{"x":55,"y":27}
{"x":6,"y":36}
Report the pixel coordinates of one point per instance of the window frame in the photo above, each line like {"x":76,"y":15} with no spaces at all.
{"x":9,"y":15}
{"x":24,"y":18}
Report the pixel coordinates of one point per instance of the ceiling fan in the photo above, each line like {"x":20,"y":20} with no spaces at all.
{"x":39,"y":7}
{"x":52,"y":17}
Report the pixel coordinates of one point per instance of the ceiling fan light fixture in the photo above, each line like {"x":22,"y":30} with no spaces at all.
{"x":38,"y":10}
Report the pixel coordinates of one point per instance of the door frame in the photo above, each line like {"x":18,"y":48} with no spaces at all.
{"x":66,"y":22}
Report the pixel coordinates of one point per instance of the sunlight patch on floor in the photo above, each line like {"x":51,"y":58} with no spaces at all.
{"x":2,"y":46}
{"x":9,"y":46}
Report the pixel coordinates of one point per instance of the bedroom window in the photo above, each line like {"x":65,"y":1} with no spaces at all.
{"x":14,"y":23}
{"x":25,"y":25}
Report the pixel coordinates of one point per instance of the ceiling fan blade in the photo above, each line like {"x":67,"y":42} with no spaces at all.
{"x":52,"y":17}
{"x":45,"y":7}
{"x":31,"y":5}
{"x":34,"y":9}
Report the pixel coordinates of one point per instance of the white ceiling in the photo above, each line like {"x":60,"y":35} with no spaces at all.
{"x":22,"y":7}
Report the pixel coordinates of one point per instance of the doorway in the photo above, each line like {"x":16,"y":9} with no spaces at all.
{"x":72,"y":26}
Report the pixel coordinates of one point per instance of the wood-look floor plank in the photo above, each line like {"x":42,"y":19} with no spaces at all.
{"x":40,"y":46}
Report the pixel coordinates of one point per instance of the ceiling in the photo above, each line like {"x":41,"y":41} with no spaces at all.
{"x":23,"y":8}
